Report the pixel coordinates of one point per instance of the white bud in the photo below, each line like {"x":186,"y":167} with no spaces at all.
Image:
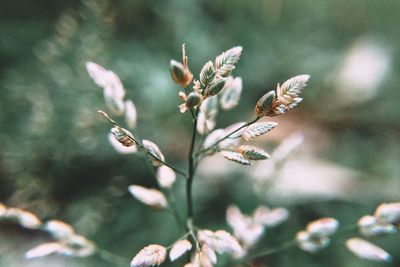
{"x":309,"y":243}
{"x":323,"y":227}
{"x":388,"y":213}
{"x":46,"y":249}
{"x":225,"y":242}
{"x":270,"y":217}
{"x":59,"y":229}
{"x":120,"y":148}
{"x":151,"y":197}
{"x":150,"y":256}
{"x":165,"y":176}
{"x":179,"y":248}
{"x":97,"y":73}
{"x":367,"y":250}
{"x":369,"y":226}
{"x":130,"y":114}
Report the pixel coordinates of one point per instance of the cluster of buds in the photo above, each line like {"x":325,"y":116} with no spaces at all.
{"x":316,"y":235}
{"x":384,"y":221}
{"x":22,"y":217}
{"x":283,"y":98}
{"x":114,"y":97}
{"x":67,"y":242}
{"x":249,"y":229}
{"x":214,"y":79}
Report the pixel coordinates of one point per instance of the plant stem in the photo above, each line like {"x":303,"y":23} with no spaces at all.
{"x":267,"y":252}
{"x":139,"y":144}
{"x":227,"y":136}
{"x":190,"y":176}
{"x":112,"y":258}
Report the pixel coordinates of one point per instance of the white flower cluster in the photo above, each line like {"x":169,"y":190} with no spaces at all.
{"x":249,"y":229}
{"x":316,"y":235}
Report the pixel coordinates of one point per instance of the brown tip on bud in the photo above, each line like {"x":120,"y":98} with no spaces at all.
{"x":179,"y":73}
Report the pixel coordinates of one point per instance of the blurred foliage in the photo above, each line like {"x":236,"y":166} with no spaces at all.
{"x":54,"y":156}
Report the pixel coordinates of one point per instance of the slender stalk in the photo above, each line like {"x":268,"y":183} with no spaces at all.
{"x":112,"y":258}
{"x":227,"y":136}
{"x":267,"y":252}
{"x":191,"y":171}
{"x":139,"y":144}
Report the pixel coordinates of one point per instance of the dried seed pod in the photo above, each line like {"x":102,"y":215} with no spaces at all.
{"x":366,"y":250}
{"x":150,"y":256}
{"x":124,"y":136}
{"x":180,"y":74}
{"x":155,"y":151}
{"x":264,"y":106}
{"x":252,"y":153}
{"x":257,"y":129}
{"x":236,"y":157}
{"x":215,"y":87}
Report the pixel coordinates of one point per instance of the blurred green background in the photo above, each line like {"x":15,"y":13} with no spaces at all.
{"x":55,"y":159}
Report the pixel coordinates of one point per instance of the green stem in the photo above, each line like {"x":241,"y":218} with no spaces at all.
{"x":112,"y":258}
{"x":267,"y":252}
{"x":190,"y":176}
{"x":227,"y":136}
{"x":139,"y":144}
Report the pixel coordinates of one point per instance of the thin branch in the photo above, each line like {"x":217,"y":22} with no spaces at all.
{"x":191,"y":171}
{"x":139,"y":144}
{"x":227,"y":136}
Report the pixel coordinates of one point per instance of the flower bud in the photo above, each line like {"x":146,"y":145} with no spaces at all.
{"x":179,"y":73}
{"x":366,"y":250}
{"x":216,"y":86}
{"x":264,"y":106}
{"x":193,"y":99}
{"x":388,"y":213}
{"x":123,"y":136}
{"x":369,"y":226}
{"x":323,"y":227}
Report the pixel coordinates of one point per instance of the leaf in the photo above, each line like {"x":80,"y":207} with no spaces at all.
{"x":179,"y":248}
{"x":257,"y":129}
{"x":252,"y":153}
{"x":225,"y":63}
{"x":230,"y":96}
{"x":236,"y":157}
{"x":207,"y":74}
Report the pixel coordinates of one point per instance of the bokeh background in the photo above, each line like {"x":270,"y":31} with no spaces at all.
{"x":55,"y":159}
